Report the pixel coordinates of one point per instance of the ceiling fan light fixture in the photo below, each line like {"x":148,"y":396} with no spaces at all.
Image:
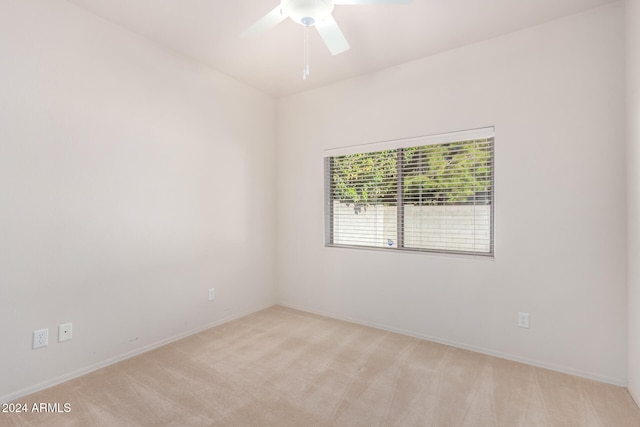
{"x":307,"y":21}
{"x":305,"y":11}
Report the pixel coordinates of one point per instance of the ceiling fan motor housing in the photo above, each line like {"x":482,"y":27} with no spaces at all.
{"x":307,"y":12}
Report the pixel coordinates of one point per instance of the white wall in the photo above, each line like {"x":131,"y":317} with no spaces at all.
{"x":117,"y":162}
{"x":633,"y":139}
{"x":555,"y":94}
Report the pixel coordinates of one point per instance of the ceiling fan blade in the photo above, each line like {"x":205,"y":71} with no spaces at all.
{"x":332,"y":36}
{"x":352,"y":2}
{"x":267,"y":22}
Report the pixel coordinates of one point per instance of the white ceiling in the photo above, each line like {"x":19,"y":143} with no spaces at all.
{"x":380,"y":35}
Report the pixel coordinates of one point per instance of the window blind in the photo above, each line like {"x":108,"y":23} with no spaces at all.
{"x":431,"y":194}
{"x":441,"y":138}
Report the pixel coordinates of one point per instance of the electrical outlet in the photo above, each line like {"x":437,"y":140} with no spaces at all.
{"x":212,"y":294}
{"x":523,"y":320}
{"x":40,"y":338}
{"x":64,"y":331}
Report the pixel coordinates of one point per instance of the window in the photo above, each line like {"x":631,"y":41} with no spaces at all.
{"x":430,"y":194}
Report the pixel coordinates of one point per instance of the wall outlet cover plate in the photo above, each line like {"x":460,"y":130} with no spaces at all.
{"x":40,"y":338}
{"x":64,"y":332}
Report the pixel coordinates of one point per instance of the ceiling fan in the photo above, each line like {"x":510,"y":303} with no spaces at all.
{"x":312,"y":13}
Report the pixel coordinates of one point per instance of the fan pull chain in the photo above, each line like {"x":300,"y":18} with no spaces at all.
{"x":305,"y":70}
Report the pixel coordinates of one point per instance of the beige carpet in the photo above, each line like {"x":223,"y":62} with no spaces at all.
{"x":282,"y":367}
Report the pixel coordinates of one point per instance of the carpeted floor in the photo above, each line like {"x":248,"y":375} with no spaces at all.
{"x":282,"y":367}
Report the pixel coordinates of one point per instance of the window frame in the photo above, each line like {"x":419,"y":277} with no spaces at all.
{"x":398,"y":145}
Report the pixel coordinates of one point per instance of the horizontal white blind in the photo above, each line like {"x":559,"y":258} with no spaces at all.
{"x":442,"y":138}
{"x":431,"y":197}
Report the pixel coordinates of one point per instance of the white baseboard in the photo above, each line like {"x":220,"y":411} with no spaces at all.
{"x":634,"y":395}
{"x":564,"y":369}
{"x":110,"y":361}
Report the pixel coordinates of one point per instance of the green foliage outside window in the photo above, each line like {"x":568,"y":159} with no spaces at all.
{"x":443,"y":174}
